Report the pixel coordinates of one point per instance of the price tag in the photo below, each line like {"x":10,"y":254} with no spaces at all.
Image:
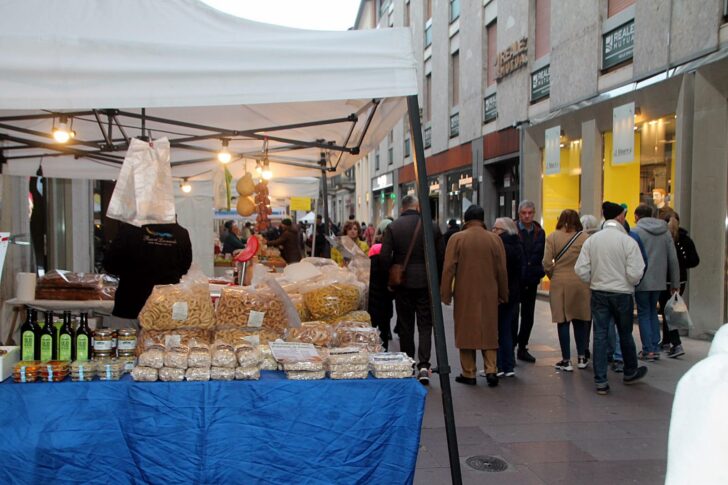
{"x":252,"y":340}
{"x":179,"y":311}
{"x":255,"y":319}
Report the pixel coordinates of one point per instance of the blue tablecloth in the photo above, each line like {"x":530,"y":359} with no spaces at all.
{"x":267,"y":431}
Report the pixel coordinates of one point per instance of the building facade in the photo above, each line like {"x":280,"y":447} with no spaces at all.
{"x":569,"y":104}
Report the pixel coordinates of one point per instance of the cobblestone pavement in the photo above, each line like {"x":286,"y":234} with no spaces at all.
{"x":551,"y":427}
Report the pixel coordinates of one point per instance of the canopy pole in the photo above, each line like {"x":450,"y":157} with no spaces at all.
{"x":325,"y":193}
{"x":434,"y":285}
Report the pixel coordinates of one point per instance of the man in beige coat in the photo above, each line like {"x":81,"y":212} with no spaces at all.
{"x":475,"y":274}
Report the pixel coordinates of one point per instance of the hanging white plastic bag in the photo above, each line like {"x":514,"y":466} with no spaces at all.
{"x":143,"y":192}
{"x":676,"y":313}
{"x":219,"y":189}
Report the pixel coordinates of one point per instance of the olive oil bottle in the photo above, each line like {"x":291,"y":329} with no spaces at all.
{"x":82,"y":339}
{"x":47,"y":339}
{"x":65,"y":339}
{"x":29,"y":336}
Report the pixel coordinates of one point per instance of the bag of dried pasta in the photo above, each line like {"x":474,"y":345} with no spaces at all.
{"x":330,"y":299}
{"x":319,"y":334}
{"x":186,"y":304}
{"x":241,"y":306}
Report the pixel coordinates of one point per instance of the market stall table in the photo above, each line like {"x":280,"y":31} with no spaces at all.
{"x":272,"y":430}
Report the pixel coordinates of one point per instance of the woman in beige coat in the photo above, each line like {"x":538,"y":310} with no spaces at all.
{"x":569,"y":296}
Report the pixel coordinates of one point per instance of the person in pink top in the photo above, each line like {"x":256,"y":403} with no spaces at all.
{"x":369,"y":234}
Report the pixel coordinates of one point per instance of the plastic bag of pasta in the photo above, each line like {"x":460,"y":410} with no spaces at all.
{"x":250,"y":307}
{"x":319,"y":334}
{"x":186,"y":304}
{"x":366,"y":337}
{"x":330,"y":299}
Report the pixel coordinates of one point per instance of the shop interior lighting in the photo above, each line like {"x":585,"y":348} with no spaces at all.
{"x":62,"y":132}
{"x":264,"y":167}
{"x":224,"y":155}
{"x":185,"y":186}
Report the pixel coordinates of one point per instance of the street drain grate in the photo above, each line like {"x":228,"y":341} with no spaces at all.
{"x":487,"y":463}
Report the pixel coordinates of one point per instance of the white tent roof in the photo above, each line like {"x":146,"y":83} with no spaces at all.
{"x":185,"y":61}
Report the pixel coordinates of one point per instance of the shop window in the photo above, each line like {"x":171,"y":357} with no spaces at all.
{"x":455,"y":79}
{"x":459,"y":195}
{"x":561,"y":190}
{"x":428,"y":97}
{"x":407,"y":147}
{"x":649,"y":177}
{"x":543,"y":28}
{"x":428,"y":137}
{"x":454,"y":125}
{"x":492,"y":56}
{"x":376,"y":160}
{"x":390,"y":156}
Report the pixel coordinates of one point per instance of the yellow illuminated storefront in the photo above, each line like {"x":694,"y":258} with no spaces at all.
{"x":649,"y":177}
{"x":562,"y":190}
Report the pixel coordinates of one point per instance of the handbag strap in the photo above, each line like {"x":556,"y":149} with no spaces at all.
{"x":412,"y":244}
{"x":568,"y":245}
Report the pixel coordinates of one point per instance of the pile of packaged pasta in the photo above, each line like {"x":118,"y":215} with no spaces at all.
{"x":79,"y":370}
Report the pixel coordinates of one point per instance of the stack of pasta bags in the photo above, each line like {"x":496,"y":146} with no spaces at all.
{"x":305,"y":369}
{"x":348,"y":363}
{"x":395,"y":365}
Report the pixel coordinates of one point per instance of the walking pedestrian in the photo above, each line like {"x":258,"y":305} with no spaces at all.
{"x":610,"y":261}
{"x":687,"y":257}
{"x":474,"y":275}
{"x":662,"y":259}
{"x":506,"y":228}
{"x":452,"y":228}
{"x":568,"y":295}
{"x":533,"y":238}
{"x":403,"y":244}
{"x":380,"y":296}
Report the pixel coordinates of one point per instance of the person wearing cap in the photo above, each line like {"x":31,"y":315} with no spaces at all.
{"x":288,"y":242}
{"x":611,"y":262}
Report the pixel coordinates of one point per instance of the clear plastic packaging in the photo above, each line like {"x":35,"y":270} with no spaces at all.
{"x":152,"y":357}
{"x":171,"y":374}
{"x":391,"y":362}
{"x":330,"y":299}
{"x":348,"y":355}
{"x":305,"y":375}
{"x":223,"y":355}
{"x":247,"y":356}
{"x":177,"y":357}
{"x":83,"y":370}
{"x":247,"y":373}
{"x":26,"y":371}
{"x":180,"y":337}
{"x":198,"y":374}
{"x":392,"y":374}
{"x":199,"y":358}
{"x":250,"y":307}
{"x":109,"y":369}
{"x":186,"y":304}
{"x":66,"y":285}
{"x":312,"y":365}
{"x":222,"y":373}
{"x":267,"y":361}
{"x":367,"y":337}
{"x":319,"y":334}
{"x":355,"y":374}
{"x":54,"y":370}
{"x":349,"y":367}
{"x":144,"y":374}
{"x":355,"y":316}
{"x":253,"y":336}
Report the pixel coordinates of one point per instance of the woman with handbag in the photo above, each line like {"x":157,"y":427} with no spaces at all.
{"x":569,"y":296}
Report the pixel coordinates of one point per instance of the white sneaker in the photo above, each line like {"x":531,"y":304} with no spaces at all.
{"x":582,"y":363}
{"x":499,"y":374}
{"x":423,"y":376}
{"x":565,"y":365}
{"x":510,"y":374}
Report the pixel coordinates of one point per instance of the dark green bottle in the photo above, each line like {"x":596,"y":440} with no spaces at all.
{"x":65,"y":339}
{"x":47,"y":339}
{"x":82,"y":339}
{"x":29,"y":333}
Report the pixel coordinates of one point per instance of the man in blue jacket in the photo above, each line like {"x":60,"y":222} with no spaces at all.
{"x":534,"y":241}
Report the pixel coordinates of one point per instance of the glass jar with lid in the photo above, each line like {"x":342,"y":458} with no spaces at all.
{"x":103,"y":344}
{"x":126,"y":342}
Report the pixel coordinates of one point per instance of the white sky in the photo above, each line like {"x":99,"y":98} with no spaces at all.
{"x":302,"y":14}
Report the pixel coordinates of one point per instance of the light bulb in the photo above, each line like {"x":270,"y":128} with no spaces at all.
{"x":224,"y":155}
{"x":185,"y":186}
{"x":61,"y":134}
{"x":267,"y":174}
{"x":259,"y":170}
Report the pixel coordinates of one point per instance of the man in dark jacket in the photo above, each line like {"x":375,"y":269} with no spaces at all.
{"x":452,"y":228}
{"x":534,"y":241}
{"x":231,"y":241}
{"x":154,"y":254}
{"x":288,"y":242}
{"x":322,"y":249}
{"x":413,"y":298}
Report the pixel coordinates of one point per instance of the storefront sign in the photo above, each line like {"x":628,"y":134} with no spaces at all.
{"x":541,"y":83}
{"x":382,"y":182}
{"x":300,"y":203}
{"x":465,"y":181}
{"x":513,"y":58}
{"x":553,"y":151}
{"x":617,"y":45}
{"x":623,"y":134}
{"x":490,"y":108}
{"x":434,"y":188}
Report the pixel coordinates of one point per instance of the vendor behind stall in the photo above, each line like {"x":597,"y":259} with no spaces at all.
{"x":352,"y":231}
{"x":231,"y":241}
{"x":154,"y":254}
{"x":288,"y":242}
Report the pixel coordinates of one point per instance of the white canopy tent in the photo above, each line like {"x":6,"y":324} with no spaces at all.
{"x":178,"y":68}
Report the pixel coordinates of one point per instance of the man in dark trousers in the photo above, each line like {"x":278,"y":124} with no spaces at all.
{"x":534,"y":241}
{"x":154,"y":254}
{"x":412,"y":299}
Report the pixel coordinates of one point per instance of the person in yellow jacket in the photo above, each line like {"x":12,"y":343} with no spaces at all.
{"x":351,"y":230}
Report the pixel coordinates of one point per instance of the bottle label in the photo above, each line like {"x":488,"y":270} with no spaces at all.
{"x":82,"y":347}
{"x":46,"y":348}
{"x":127,"y":344}
{"x":102,"y":344}
{"x":28,"y":345}
{"x":64,"y":347}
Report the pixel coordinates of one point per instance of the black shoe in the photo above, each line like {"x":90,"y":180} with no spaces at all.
{"x":641,"y":372}
{"x":423,"y":376}
{"x":618,"y":366}
{"x":603,"y":390}
{"x":435,"y":370}
{"x":525,"y":356}
{"x":465,"y":380}
{"x":492,"y":380}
